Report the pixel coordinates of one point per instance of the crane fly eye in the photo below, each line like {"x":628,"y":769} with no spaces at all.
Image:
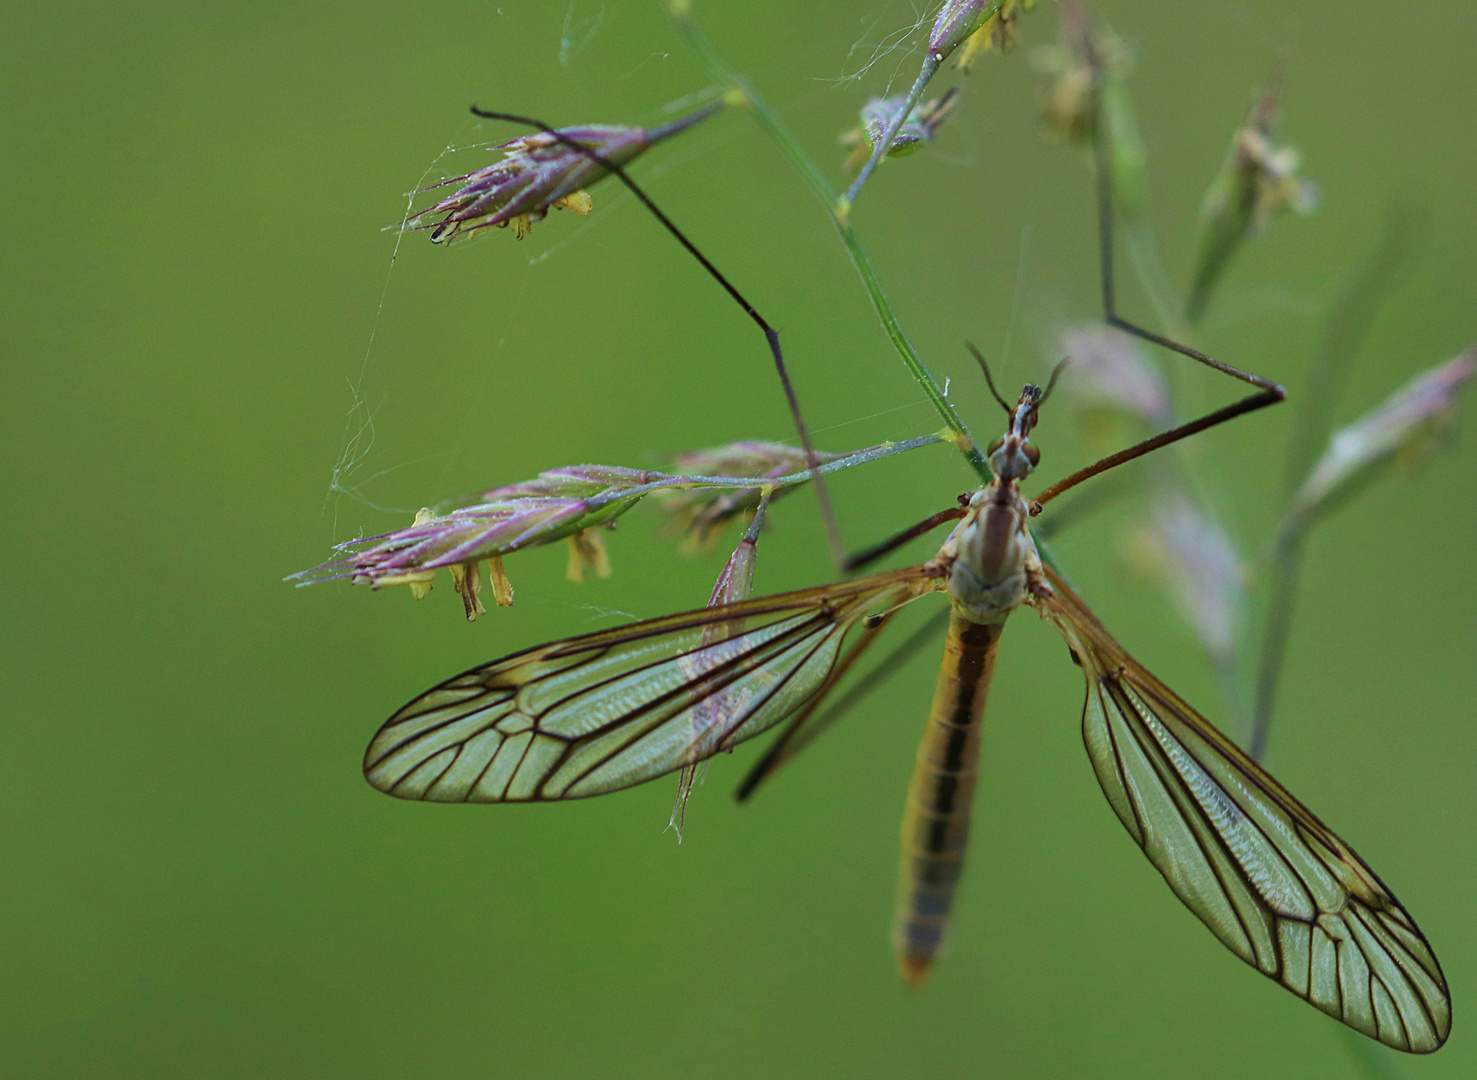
{"x":1032,"y":454}
{"x":996,"y":445}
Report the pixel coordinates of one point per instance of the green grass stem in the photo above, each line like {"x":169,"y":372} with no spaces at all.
{"x":719,"y":69}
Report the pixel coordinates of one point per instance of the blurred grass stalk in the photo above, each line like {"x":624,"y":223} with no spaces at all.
{"x":1405,"y":426}
{"x":1088,"y":106}
{"x":916,"y":130}
{"x":1257,"y":183}
{"x":1122,"y":152}
{"x":1088,"y":103}
{"x":1402,"y":426}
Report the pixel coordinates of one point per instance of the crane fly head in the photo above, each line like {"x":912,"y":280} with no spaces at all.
{"x":1013,"y":456}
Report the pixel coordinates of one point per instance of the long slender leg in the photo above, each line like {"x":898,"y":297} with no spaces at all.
{"x":1106,"y":264}
{"x":892,"y":543}
{"x":833,"y":536}
{"x":802,"y":730}
{"x":1209,"y":420}
{"x":779,"y":751}
{"x":1268,"y":392}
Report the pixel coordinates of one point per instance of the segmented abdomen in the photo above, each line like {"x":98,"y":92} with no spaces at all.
{"x":936,"y":821}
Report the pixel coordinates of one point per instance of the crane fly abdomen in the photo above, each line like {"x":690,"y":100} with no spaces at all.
{"x":936,"y":821}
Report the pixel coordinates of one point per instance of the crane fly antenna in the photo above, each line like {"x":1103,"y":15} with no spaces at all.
{"x":771,"y":335}
{"x":1051,"y":382}
{"x":985,"y":367}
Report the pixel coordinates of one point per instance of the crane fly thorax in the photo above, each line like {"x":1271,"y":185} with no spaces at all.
{"x":991,"y":557}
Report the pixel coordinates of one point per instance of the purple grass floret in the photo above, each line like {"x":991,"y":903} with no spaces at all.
{"x":557,"y":504}
{"x":577,"y":503}
{"x":538,"y":172}
{"x":702,"y":514}
{"x":1406,"y":425}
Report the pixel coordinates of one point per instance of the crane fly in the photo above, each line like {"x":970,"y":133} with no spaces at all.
{"x":612,"y":709}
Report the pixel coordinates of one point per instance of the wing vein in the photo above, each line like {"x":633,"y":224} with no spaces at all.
{"x":1185,"y":803}
{"x":1297,"y":893}
{"x":744,"y":715}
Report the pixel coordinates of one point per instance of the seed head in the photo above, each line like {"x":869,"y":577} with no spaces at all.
{"x":1109,"y":370}
{"x":1080,"y":60}
{"x":703,"y":513}
{"x":736,"y":579}
{"x":1196,"y":561}
{"x":735,"y":583}
{"x":539,"y":172}
{"x":1257,"y":183}
{"x":917,"y":130}
{"x":956,"y":21}
{"x":1407,"y":425}
{"x":570,"y":502}
{"x":998,"y":33}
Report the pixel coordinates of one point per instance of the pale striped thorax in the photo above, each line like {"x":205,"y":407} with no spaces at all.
{"x":991,"y":560}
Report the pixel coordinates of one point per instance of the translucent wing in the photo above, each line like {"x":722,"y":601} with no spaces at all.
{"x":807,"y":725}
{"x":1271,"y":881}
{"x":608,"y":710}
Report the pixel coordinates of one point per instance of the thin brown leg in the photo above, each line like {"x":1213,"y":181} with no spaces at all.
{"x":1210,"y":420}
{"x":892,"y":543}
{"x":1269,"y":393}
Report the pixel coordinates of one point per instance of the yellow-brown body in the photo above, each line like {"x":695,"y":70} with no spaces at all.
{"x":936,"y":821}
{"x":989,"y":563}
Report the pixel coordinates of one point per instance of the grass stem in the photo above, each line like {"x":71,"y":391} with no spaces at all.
{"x":719,"y":69}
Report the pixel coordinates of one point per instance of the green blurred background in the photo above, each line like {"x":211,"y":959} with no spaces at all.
{"x":198,"y":882}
